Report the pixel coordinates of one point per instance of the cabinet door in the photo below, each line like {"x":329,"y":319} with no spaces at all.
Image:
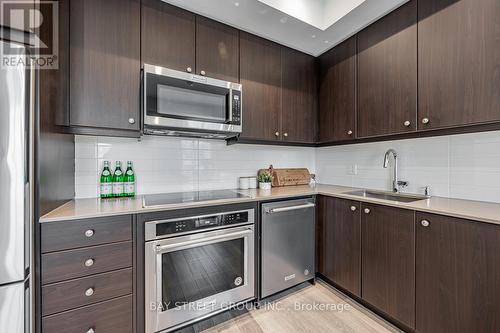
{"x":337,"y":93}
{"x":339,"y":253}
{"x":260,"y":65}
{"x":388,"y":261}
{"x":458,"y":275}
{"x":168,"y":36}
{"x":387,"y":74}
{"x":299,"y":89}
{"x":217,"y":50}
{"x":105,"y":66}
{"x":459,"y":52}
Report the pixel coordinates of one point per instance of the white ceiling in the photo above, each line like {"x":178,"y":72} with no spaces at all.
{"x":310,"y":26}
{"x":318,"y":13}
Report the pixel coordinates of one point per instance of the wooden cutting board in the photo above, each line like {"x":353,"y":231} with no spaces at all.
{"x":289,"y":177}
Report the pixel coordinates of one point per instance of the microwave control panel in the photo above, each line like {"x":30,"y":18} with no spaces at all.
{"x":236,"y":111}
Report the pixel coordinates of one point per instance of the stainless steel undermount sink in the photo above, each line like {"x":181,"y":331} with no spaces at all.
{"x":390,"y":196}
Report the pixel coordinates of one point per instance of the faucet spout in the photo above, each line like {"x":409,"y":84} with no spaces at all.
{"x":395,"y":183}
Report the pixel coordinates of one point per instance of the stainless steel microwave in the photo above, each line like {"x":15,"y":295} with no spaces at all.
{"x":183,"y":104}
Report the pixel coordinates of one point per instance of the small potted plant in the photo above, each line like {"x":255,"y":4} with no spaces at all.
{"x":265,"y":180}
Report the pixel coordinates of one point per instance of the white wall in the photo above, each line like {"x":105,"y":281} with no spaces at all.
{"x":461,"y":166}
{"x":165,"y":164}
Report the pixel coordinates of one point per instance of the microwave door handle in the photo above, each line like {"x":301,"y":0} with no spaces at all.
{"x":163,"y":248}
{"x":230,"y":97}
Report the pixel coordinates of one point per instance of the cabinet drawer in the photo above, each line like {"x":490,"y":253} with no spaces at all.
{"x":72,"y":294}
{"x":65,"y":265}
{"x":57,"y":236}
{"x":114,"y":316}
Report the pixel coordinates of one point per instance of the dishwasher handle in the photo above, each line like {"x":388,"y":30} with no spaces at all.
{"x":290,"y":208}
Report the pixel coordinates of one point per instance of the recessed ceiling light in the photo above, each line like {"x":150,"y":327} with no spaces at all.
{"x":313,"y":36}
{"x":237,"y":4}
{"x":284,"y":19}
{"x":327,"y":41}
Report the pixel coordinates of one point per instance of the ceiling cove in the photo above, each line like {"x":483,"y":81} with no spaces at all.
{"x":310,"y":26}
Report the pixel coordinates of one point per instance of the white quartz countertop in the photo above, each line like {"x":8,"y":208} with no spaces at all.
{"x":91,"y":208}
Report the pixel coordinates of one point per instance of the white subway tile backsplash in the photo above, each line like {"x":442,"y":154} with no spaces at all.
{"x":165,"y":164}
{"x":461,"y":166}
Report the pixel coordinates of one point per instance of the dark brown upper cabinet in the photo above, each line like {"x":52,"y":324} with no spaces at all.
{"x":458,"y":65}
{"x":339,"y":248}
{"x":260,"y":73}
{"x":168,"y":36}
{"x":337,"y":93}
{"x":178,"y":39}
{"x":54,"y":83}
{"x":388,"y":261}
{"x":105,"y":66}
{"x":387,"y":74}
{"x":217,"y":50}
{"x":458,"y":276}
{"x":300,"y":96}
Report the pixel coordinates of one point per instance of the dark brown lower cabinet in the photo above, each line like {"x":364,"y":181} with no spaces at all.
{"x":458,"y":275}
{"x":339,"y":255}
{"x":113,"y":316}
{"x":388,"y":261}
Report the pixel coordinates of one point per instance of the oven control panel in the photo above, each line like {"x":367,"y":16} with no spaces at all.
{"x":198,"y":223}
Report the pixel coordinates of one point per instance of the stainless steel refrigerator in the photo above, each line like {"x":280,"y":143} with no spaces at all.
{"x":16,"y":193}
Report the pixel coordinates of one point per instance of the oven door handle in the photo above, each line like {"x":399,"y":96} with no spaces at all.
{"x":162,"y":248}
{"x":290,"y":208}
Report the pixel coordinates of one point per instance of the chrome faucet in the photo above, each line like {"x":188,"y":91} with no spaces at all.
{"x":396,"y":184}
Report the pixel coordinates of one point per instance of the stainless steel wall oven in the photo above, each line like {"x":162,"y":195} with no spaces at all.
{"x":196,"y":266}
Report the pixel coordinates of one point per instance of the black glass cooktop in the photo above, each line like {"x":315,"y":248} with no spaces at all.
{"x":186,"y":197}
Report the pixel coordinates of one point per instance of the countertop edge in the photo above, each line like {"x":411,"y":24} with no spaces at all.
{"x":143,"y":210}
{"x":296,"y":193}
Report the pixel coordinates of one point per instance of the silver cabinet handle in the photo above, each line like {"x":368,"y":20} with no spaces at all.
{"x":89,"y":292}
{"x":425,"y":121}
{"x":277,"y":133}
{"x":425,"y":223}
{"x":407,"y":123}
{"x":90,"y":330}
{"x":131,"y":121}
{"x":353,"y":208}
{"x":203,"y":73}
{"x":189,"y":70}
{"x":162,"y":248}
{"x":287,"y":209}
{"x":89,"y":262}
{"x":89,"y":233}
{"x":349,"y":132}
{"x":285,"y":135}
{"x":367,"y":211}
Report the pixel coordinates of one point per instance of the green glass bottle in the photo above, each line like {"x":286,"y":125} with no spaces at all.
{"x":106,"y":182}
{"x":118,"y":180}
{"x":129,"y":187}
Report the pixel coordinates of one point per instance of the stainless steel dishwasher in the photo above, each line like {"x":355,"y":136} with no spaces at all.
{"x":288,"y":237}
